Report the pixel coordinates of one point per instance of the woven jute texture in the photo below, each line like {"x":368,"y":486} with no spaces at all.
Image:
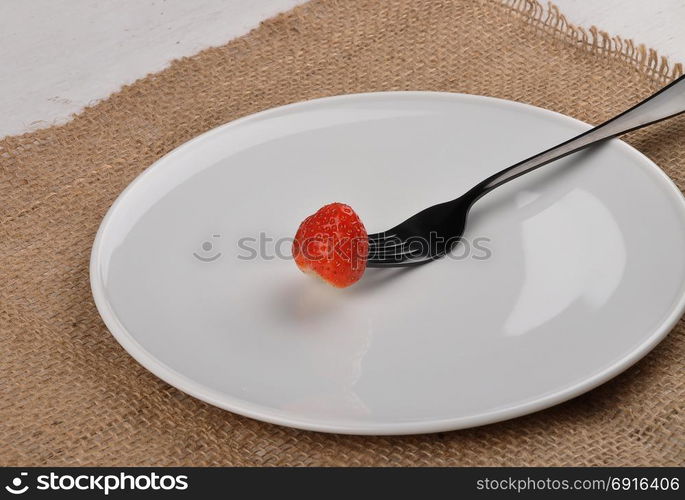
{"x":70,"y":395}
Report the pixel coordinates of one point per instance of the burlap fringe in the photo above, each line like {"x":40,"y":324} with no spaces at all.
{"x":594,"y":40}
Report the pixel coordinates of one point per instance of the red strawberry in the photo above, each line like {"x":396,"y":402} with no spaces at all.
{"x":333,"y":244}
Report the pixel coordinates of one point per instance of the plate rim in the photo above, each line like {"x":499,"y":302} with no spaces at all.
{"x":279,"y":417}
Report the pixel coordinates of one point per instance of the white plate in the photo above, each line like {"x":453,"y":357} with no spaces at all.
{"x":580,"y":275}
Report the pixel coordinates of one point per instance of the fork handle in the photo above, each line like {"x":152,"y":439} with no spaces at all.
{"x":666,"y":103}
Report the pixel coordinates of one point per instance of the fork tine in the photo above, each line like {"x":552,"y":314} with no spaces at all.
{"x":393,"y":249}
{"x":377,"y":237}
{"x":387,"y":244}
{"x":392,"y":254}
{"x":400,"y":260}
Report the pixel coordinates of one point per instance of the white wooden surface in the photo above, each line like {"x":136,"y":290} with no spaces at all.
{"x":659,"y":24}
{"x":57,"y":56}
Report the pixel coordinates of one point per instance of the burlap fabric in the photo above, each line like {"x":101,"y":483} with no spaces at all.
{"x":70,"y":395}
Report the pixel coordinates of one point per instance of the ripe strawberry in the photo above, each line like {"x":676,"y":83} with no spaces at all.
{"x":333,"y":244}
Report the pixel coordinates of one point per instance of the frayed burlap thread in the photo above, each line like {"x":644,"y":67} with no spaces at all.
{"x":70,"y":395}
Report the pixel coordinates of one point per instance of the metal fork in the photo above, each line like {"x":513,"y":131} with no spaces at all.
{"x":434,"y":231}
